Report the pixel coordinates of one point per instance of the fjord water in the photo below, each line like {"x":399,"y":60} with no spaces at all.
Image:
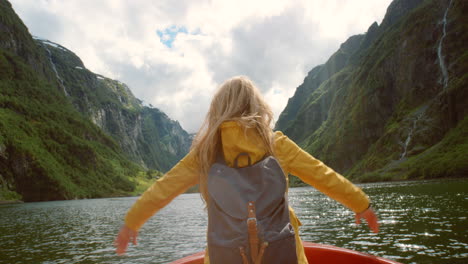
{"x":421,"y":222}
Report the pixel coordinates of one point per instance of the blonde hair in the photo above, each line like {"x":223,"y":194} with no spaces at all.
{"x":237,"y":99}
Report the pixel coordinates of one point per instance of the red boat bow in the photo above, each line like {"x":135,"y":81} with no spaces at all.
{"x":317,"y":254}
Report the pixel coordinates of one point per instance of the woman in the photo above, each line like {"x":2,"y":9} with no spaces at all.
{"x":239,"y":121}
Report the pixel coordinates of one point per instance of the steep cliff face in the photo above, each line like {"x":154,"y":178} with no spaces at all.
{"x":146,"y":134}
{"x":398,"y":107}
{"x":310,"y":102}
{"x":15,"y":38}
{"x":48,"y":149}
{"x":173,"y":141}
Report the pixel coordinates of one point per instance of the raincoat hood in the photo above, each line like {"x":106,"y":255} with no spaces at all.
{"x":236,"y":139}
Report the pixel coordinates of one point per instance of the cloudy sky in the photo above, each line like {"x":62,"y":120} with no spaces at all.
{"x":174,"y":53}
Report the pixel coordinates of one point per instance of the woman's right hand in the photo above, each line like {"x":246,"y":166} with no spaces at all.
{"x":371,"y":219}
{"x":123,"y":238}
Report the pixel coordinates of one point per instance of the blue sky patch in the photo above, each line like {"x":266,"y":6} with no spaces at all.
{"x":168,"y":35}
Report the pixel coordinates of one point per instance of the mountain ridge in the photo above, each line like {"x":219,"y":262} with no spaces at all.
{"x":111,"y":105}
{"x":67,"y":133}
{"x":382,"y":116}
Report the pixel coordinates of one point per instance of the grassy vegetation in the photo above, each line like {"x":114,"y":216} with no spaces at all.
{"x":50,"y":151}
{"x":7,"y":195}
{"x":445,"y":159}
{"x":144,"y":180}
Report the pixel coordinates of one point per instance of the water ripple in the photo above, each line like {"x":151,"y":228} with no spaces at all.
{"x":421,"y":222}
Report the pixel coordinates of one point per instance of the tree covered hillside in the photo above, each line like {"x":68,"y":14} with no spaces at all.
{"x":67,"y":133}
{"x":396,"y":105}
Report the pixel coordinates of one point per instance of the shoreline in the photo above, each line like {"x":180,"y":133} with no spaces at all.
{"x":11,"y":202}
{"x":455,"y":178}
{"x":354,"y":181}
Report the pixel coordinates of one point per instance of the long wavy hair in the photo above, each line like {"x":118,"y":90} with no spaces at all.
{"x":237,"y":99}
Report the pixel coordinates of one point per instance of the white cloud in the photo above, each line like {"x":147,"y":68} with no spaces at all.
{"x":275,"y":42}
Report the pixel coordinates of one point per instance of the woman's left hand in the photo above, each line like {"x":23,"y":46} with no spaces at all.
{"x":371,"y":219}
{"x":123,"y":238}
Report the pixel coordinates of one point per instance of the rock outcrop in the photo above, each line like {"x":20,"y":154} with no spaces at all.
{"x":388,"y":113}
{"x":67,"y":133}
{"x":146,"y":134}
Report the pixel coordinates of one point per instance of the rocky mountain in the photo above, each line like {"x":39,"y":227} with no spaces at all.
{"x":68,"y":133}
{"x":391,"y":103}
{"x":292,"y":117}
{"x":146,"y":134}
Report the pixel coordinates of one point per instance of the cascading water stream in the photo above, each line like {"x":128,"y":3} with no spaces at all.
{"x":410,"y":133}
{"x":55,"y":70}
{"x":408,"y":139}
{"x":440,"y":56}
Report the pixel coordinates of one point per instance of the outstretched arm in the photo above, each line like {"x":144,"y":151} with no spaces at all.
{"x":314,"y":172}
{"x":181,"y":177}
{"x":323,"y":178}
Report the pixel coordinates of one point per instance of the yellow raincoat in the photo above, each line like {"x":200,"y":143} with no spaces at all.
{"x":292,"y":159}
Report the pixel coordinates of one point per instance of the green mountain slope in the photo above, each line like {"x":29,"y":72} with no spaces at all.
{"x":391,"y":110}
{"x":146,"y":134}
{"x":47,"y":150}
{"x":309,"y":92}
{"x":67,"y":133}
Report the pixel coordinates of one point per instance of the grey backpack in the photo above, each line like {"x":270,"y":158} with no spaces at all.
{"x":248,"y":214}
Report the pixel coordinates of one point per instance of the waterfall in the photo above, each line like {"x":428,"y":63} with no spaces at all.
{"x":440,"y":56}
{"x":408,"y":139}
{"x":55,"y":70}
{"x":411,"y":131}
